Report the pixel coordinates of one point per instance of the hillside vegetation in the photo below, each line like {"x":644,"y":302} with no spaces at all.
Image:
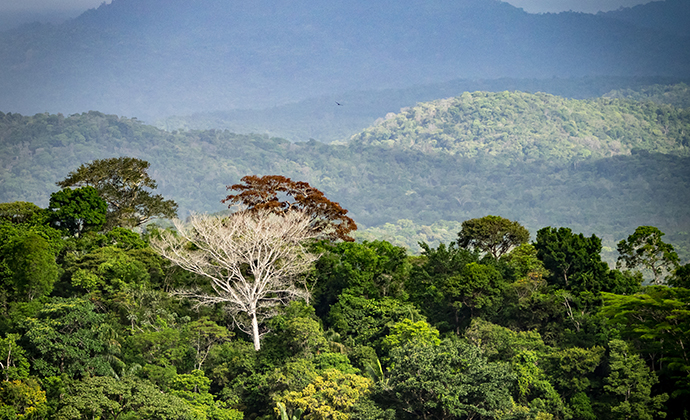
{"x":593,"y":180}
{"x":677,"y":94}
{"x":520,"y":126}
{"x":323,"y":120}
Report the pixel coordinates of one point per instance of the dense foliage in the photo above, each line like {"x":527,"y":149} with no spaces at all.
{"x":514,"y":126}
{"x":676,"y":95}
{"x":93,"y":325}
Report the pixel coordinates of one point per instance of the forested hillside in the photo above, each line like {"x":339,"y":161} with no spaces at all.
{"x":602,"y":165}
{"x":527,"y":127}
{"x":674,"y":94}
{"x":323,"y":120}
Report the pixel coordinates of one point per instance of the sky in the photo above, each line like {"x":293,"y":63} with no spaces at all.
{"x":16,"y":12}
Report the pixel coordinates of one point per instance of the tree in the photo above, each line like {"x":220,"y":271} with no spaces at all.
{"x":77,"y":210}
{"x":571,"y":368}
{"x":21,"y":212}
{"x":492,"y":234}
{"x":644,"y":248}
{"x":194,"y":390}
{"x":13,"y":362}
{"x":68,"y":336}
{"x":428,"y":284}
{"x":104,"y":397}
{"x":658,"y":322}
{"x":629,"y":384}
{"x":204,"y":335}
{"x":573,"y":260}
{"x":251,"y":259}
{"x":406,"y":331}
{"x":681,"y":277}
{"x":368,"y":321}
{"x":123,"y":182}
{"x":449,"y":381}
{"x":22,"y":399}
{"x":329,"y":396}
{"x":477,"y":287}
{"x":371,"y":269}
{"x":326,"y":217}
{"x":31,"y":261}
{"x":108,"y":271}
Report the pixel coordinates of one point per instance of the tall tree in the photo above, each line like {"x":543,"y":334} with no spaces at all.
{"x":31,"y":261}
{"x":432,"y":284}
{"x":492,"y":234}
{"x":645,"y":249}
{"x":77,"y":210}
{"x":573,"y":260}
{"x":123,"y":182}
{"x":629,"y":384}
{"x":279,"y":195}
{"x":450,"y":381}
{"x":251,"y":259}
{"x":477,"y":287}
{"x":657,"y":321}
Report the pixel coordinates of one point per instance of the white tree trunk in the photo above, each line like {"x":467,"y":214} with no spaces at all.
{"x":255,"y":332}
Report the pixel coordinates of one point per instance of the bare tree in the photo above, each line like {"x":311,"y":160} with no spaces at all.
{"x":251,"y":259}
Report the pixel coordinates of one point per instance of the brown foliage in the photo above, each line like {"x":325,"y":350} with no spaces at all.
{"x":262,"y":193}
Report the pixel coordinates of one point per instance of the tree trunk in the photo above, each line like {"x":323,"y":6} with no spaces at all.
{"x":255,"y":332}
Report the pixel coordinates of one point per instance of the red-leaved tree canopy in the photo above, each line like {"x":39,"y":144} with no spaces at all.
{"x":279,"y":195}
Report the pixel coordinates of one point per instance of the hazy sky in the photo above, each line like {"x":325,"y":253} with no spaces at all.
{"x":534,"y":6}
{"x":16,"y":12}
{"x":48,"y":5}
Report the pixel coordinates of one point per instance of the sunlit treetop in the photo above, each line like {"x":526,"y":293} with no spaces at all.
{"x":279,"y":194}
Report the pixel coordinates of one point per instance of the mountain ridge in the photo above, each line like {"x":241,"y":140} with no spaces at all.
{"x":321,"y":119}
{"x":139,"y":58}
{"x":664,"y":16}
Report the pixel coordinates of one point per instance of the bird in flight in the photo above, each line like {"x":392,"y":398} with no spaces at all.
{"x":338,"y":103}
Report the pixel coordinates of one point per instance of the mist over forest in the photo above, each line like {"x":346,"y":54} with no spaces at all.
{"x":450,"y":210}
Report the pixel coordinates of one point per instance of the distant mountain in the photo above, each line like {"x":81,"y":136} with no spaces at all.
{"x":155,"y":58}
{"x":324,"y":120}
{"x":670,"y":16}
